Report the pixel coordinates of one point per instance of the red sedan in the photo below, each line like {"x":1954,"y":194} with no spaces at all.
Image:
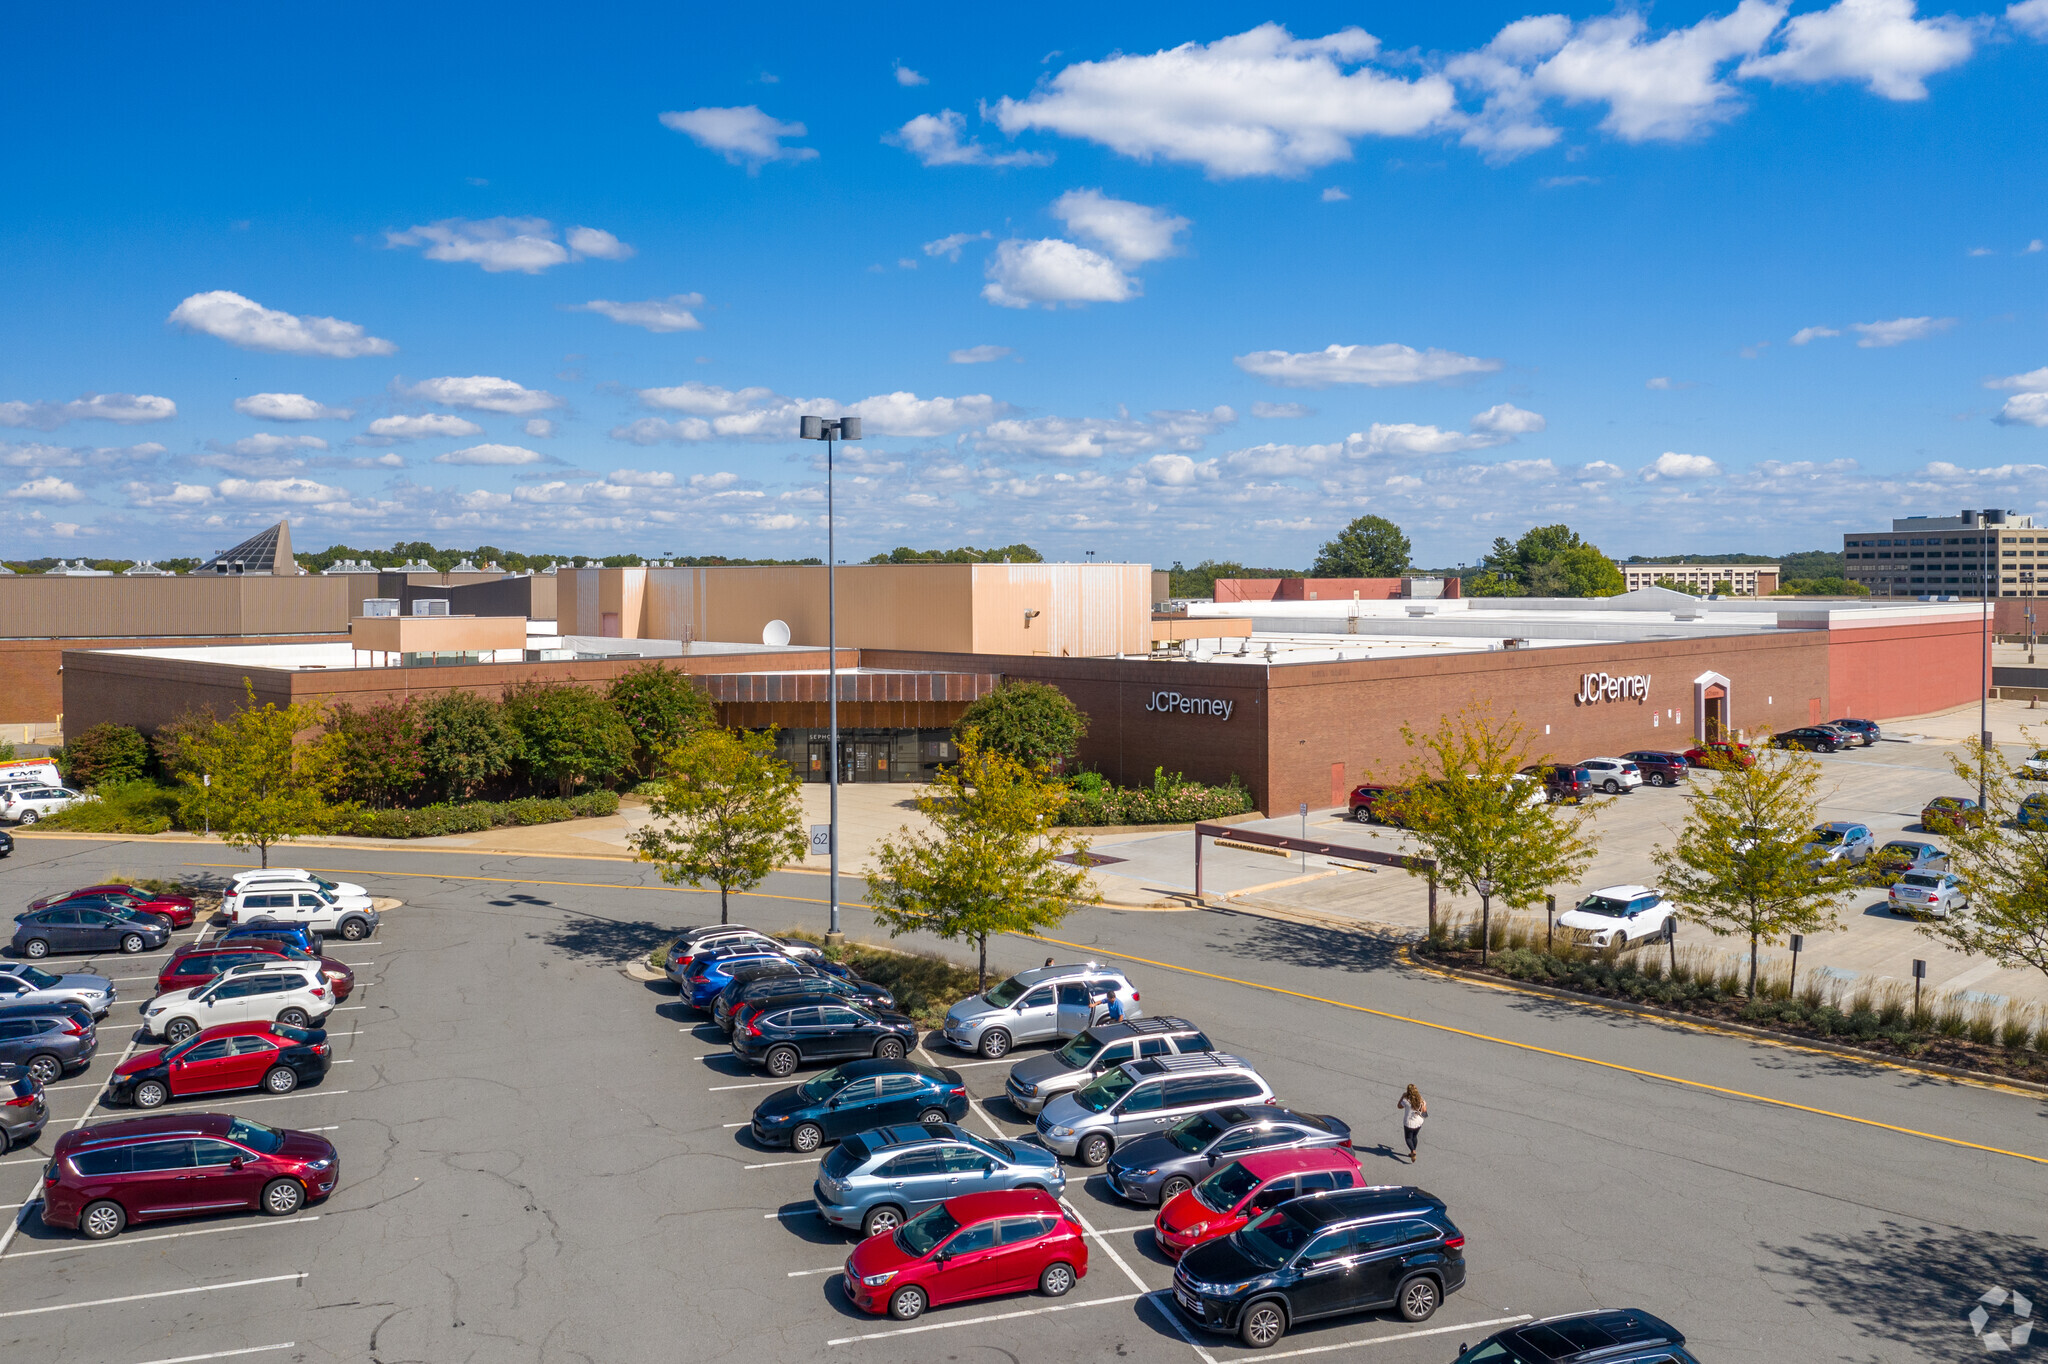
{"x":194,"y":965}
{"x":269,"y":1056}
{"x":1246,"y":1187}
{"x":181,"y":910}
{"x":975,"y":1246}
{"x":1721,"y":752}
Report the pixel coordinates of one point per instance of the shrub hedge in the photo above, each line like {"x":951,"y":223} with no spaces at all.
{"x":433,"y":821}
{"x":1170,"y":799}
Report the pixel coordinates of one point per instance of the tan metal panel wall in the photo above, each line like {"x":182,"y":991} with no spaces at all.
{"x":113,"y":608}
{"x":1089,"y":610}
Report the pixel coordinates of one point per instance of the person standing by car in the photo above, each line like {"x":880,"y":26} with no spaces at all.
{"x":1413,"y":1112}
{"x":1108,"y":1008}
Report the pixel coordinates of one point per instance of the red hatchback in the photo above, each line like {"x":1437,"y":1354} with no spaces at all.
{"x":975,"y":1246}
{"x":1246,"y":1187}
{"x":181,"y":910}
{"x":103,"y":1177}
{"x":193,"y":965}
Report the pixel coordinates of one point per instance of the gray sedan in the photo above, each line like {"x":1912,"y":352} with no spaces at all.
{"x":1841,"y":841}
{"x":1927,"y":895}
{"x":878,"y":1180}
{"x":22,"y":983}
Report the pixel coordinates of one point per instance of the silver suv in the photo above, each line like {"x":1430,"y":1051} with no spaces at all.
{"x":880,"y":1179}
{"x":1139,"y":1098}
{"x":1034,"y":1006}
{"x":1037,"y":1080}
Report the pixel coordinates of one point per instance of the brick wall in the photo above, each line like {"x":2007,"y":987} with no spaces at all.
{"x":1880,"y":673}
{"x":32,"y":679}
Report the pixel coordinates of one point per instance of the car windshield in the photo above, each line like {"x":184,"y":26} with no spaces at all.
{"x":1008,"y":993}
{"x":255,"y":1135}
{"x":1920,"y":878}
{"x":1226,"y":1188}
{"x":41,"y":979}
{"x":927,"y":1229}
{"x":1193,"y":1135}
{"x":822,"y":1086}
{"x":1081,"y":1050}
{"x":1104,"y":1090}
{"x":323,"y":883}
{"x":1827,"y":836}
{"x":1273,"y":1238}
{"x":1604,"y":904}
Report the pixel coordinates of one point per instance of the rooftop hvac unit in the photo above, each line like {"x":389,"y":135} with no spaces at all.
{"x":430,"y":606}
{"x":380,"y":606}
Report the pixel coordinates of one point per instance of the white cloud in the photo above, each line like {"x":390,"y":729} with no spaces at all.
{"x":642,"y":478}
{"x":1374,"y":366}
{"x":1093,"y":437}
{"x":763,"y":414}
{"x":178,"y":495}
{"x":905,"y":76}
{"x":264,"y":443}
{"x":1333,"y":195}
{"x":298,"y":490}
{"x":977,"y":355}
{"x":1806,"y":334}
{"x":498,"y":245}
{"x":1050,"y":271}
{"x":936,"y":140}
{"x":490,"y":455}
{"x":1279,"y":410}
{"x":389,"y":460}
{"x":2029,"y":406}
{"x":539,"y":428}
{"x":1665,"y":384}
{"x":422,"y":427}
{"x":1672,"y":465}
{"x":906,"y":414}
{"x":1877,"y":42}
{"x":1507,"y":421}
{"x":47,"y":489}
{"x":482,"y":393}
{"x":1258,"y":103}
{"x":246,"y":323}
{"x":949,"y":246}
{"x":289,"y":407}
{"x":125,"y":408}
{"x":671,"y":314}
{"x":744,"y":136}
{"x":2036,"y":244}
{"x":1177,"y":471}
{"x":709,"y":400}
{"x":1898,"y":329}
{"x":1409,"y":438}
{"x":1130,"y":234}
{"x":2029,"y":17}
{"x":37,"y":456}
{"x":2033,"y":381}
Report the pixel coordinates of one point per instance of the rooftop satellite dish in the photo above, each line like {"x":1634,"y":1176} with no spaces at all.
{"x":775,"y":633}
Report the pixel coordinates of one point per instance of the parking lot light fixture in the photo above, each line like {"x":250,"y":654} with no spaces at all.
{"x":831,"y":430}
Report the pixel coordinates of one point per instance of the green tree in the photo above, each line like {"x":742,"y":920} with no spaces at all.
{"x":465,"y":742}
{"x":1549,"y":561}
{"x":730,"y":812}
{"x":1743,"y":864}
{"x":1820,"y":587}
{"x":989,"y":862}
{"x":1200,"y":581}
{"x":383,"y":758}
{"x":1673,"y":585}
{"x":568,"y":735}
{"x":1030,"y":722}
{"x":105,"y":755}
{"x":1467,"y":807}
{"x":967,"y":554}
{"x":1370,"y":547}
{"x":662,"y":707}
{"x":2003,"y":864}
{"x":252,"y":782}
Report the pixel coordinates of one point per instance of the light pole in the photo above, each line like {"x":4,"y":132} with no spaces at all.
{"x":1484,"y":886}
{"x":830,"y":430}
{"x":1984,"y":583}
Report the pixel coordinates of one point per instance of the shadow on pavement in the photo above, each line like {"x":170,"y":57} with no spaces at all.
{"x":613,"y":942}
{"x":1309,"y":945}
{"x":1913,"y":1285}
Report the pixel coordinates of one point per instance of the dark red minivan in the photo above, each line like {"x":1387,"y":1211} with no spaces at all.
{"x":103,"y":1177}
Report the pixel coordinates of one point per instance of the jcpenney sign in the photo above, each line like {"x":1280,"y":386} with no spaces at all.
{"x":1601,"y":687}
{"x":1173,"y":701}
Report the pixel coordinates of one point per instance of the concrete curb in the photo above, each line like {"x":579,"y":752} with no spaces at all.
{"x":1793,"y":1041}
{"x":641,"y":971}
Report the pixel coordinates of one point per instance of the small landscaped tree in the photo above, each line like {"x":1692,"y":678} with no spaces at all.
{"x":662,"y":707}
{"x":988,"y":863}
{"x":465,"y":741}
{"x":1031,"y":723}
{"x":383,"y":761}
{"x":2003,"y":865}
{"x":728,"y":812}
{"x":568,"y":735}
{"x":253,"y":783}
{"x":105,"y":755}
{"x":1744,"y":864}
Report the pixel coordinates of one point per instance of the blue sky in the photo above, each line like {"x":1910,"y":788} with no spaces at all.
{"x":1163,"y":283}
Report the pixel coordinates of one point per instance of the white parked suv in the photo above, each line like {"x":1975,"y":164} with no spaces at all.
{"x":294,"y":993}
{"x":27,"y":804}
{"x":1613,"y":775}
{"x":1619,"y":915}
{"x":243,"y":878}
{"x":343,"y":916}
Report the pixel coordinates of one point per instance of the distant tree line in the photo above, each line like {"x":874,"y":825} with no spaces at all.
{"x":966,"y":554}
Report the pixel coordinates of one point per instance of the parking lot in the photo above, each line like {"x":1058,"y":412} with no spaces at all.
{"x":545,"y":1160}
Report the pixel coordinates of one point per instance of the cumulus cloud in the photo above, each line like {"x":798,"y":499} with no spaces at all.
{"x":1333,"y":195}
{"x":1670,"y":465}
{"x":38,"y":456}
{"x":671,"y":314}
{"x":1093,"y":437}
{"x":716,"y":413}
{"x":422,"y":427}
{"x":949,"y":246}
{"x":1177,"y":471}
{"x":2029,"y":17}
{"x":1873,"y":335}
{"x":264,"y":443}
{"x":527,"y":245}
{"x":2027,"y":407}
{"x":1876,"y":42}
{"x":1507,"y":421}
{"x":125,"y":408}
{"x":539,"y":427}
{"x":1374,"y":366}
{"x":1806,"y":334}
{"x":1279,"y":410}
{"x":905,"y":76}
{"x":744,"y":135}
{"x":1665,"y":384}
{"x":1049,"y":272}
{"x":977,"y":355}
{"x":940,"y":140}
{"x":246,"y":323}
{"x":47,"y":489}
{"x":289,"y":407}
{"x":482,"y":393}
{"x":1259,"y":103}
{"x":1130,"y":234}
{"x":490,"y":455}
{"x":285,"y":490}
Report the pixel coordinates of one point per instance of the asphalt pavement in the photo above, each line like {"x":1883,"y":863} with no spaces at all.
{"x":543,"y":1160}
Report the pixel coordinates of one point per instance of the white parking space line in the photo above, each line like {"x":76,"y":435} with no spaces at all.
{"x":735,"y":1124}
{"x":76,"y":1084}
{"x":225,"y":1354}
{"x":166,"y":1236}
{"x":1405,"y":1335}
{"x":348,"y":1008}
{"x":1119,"y":1231}
{"x":31,"y":1160}
{"x":359,"y":963}
{"x":144,"y":1297}
{"x":970,"y":1065}
{"x":765,"y":1084}
{"x":777,"y":1164}
{"x":295,"y":1094}
{"x":982,"y":1321}
{"x":813,"y":1273}
{"x":789,"y":1212}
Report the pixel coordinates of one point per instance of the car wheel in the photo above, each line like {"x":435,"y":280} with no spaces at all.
{"x":890,"y":1049}
{"x":781,"y":1062}
{"x":1362,"y":815}
{"x":293,"y":1018}
{"x":1172,"y":1189}
{"x":907,"y":1304}
{"x":152,"y":1094}
{"x":27,"y":817}
{"x":885,"y":1217}
{"x":807,"y":1137}
{"x":281,"y":1080}
{"x":1419,"y":1298}
{"x":46,"y":1069}
{"x":131,"y":943}
{"x":102,"y":1219}
{"x":178,"y":1029}
{"x":1057,"y":1279}
{"x":932,"y":1117}
{"x":354,"y":930}
{"x":283,"y":1197}
{"x":1093,"y":1150}
{"x":1263,"y":1323}
{"x":994,"y":1043}
{"x":1612,"y":787}
{"x":35,"y":949}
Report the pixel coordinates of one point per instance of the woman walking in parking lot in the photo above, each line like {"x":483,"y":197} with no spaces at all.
{"x":1413,"y":1111}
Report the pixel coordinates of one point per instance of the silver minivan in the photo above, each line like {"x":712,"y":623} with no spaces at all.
{"x":1038,"y":1080}
{"x":1140,"y":1098}
{"x":1036,"y":1006}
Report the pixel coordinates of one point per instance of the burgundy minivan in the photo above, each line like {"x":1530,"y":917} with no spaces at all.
{"x":103,"y":1177}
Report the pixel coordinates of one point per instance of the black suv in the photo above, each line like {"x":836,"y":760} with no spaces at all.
{"x":1351,"y":1251}
{"x":1631,"y":1336}
{"x":779,"y":1039}
{"x":772,"y":980}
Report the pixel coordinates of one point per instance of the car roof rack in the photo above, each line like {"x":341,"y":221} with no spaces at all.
{"x":1186,"y":1061}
